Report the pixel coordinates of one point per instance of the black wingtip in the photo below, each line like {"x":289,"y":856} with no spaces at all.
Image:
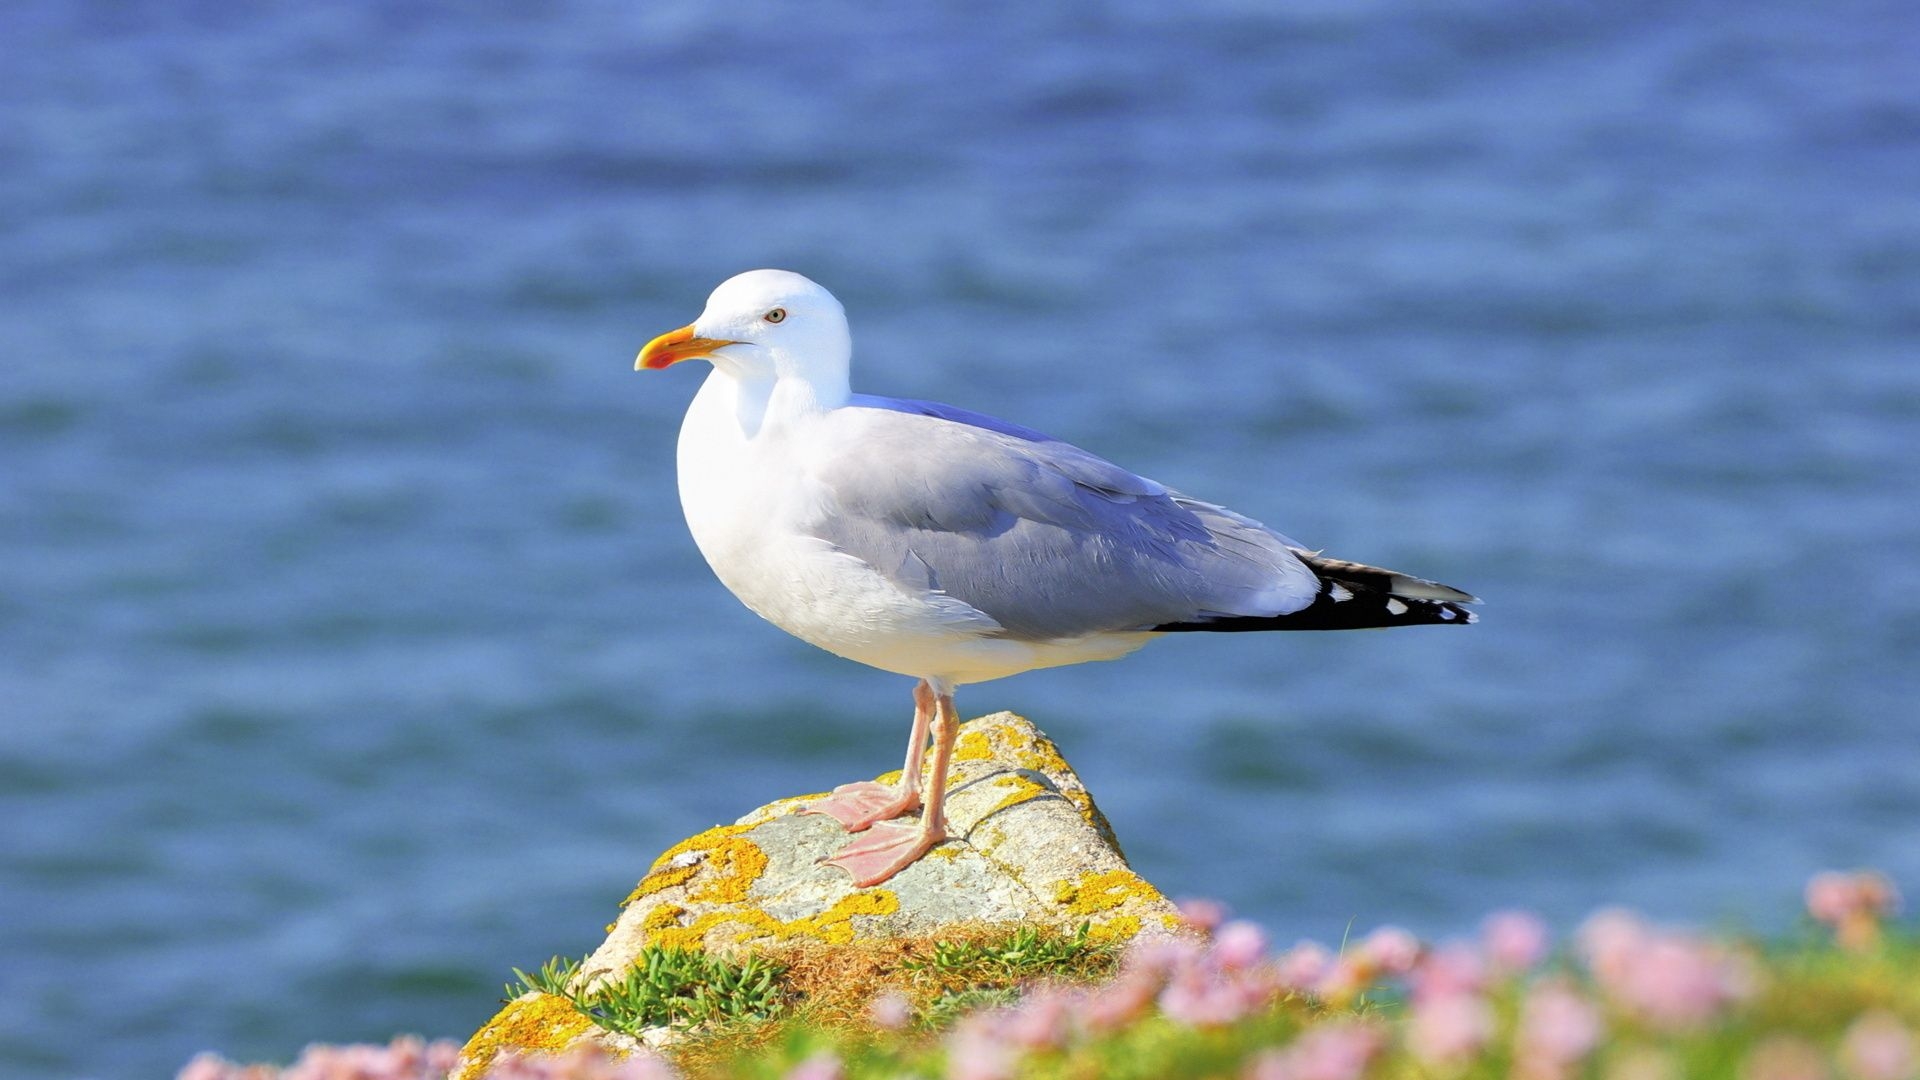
{"x":1359,"y":611}
{"x":1352,"y":596}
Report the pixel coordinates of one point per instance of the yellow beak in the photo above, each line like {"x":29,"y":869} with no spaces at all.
{"x":671,"y":348}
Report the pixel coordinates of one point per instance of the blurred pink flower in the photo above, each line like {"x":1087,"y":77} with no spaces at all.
{"x":1609,"y":940}
{"x":1665,"y":978}
{"x":1238,"y":944}
{"x":1449,"y":970}
{"x":588,"y":1063}
{"x":1203,"y":999}
{"x":206,"y":1067}
{"x":1833,"y":895}
{"x":1557,"y":1029}
{"x":975,"y":1051}
{"x":1120,"y":1002}
{"x":405,"y":1058}
{"x":1202,"y":914}
{"x":890,"y":1011}
{"x":1336,"y":1050}
{"x":1161,"y":955}
{"x":1303,"y":966}
{"x":824,"y":1065}
{"x":1678,"y":983}
{"x":1514,"y":941}
{"x":1853,"y":904}
{"x":1878,"y":1047}
{"x":1041,"y":1020}
{"x":1344,"y":978}
{"x":1783,"y":1057}
{"x":1390,"y":950}
{"x":1449,"y":1028}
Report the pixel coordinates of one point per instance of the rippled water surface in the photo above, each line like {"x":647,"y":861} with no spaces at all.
{"x":352,"y":648}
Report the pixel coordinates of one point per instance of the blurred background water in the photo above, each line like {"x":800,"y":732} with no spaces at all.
{"x":352,"y":648}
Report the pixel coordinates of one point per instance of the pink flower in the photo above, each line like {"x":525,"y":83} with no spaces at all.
{"x":1344,"y":978}
{"x":1670,"y":980}
{"x":1336,"y":1050}
{"x":1390,"y":950}
{"x":1878,"y":1047}
{"x":206,"y":1067}
{"x":1852,"y":904}
{"x":1238,"y":944}
{"x":974,"y":1053}
{"x":1202,"y":914}
{"x":1303,"y":966}
{"x":1558,"y":1028}
{"x":1161,"y":955}
{"x":588,"y":1063}
{"x":1514,"y":941}
{"x":1203,"y":999}
{"x":1449,"y":1028}
{"x":1833,"y":896}
{"x":890,"y":1011}
{"x":1040,"y":1022}
{"x":1449,"y":970}
{"x":1120,"y":1002}
{"x":824,"y":1065}
{"x":405,"y":1058}
{"x":1783,"y":1057}
{"x":1667,"y":979}
{"x":1609,"y":940}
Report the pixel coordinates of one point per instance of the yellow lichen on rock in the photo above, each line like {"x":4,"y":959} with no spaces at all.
{"x":833,"y":926}
{"x":1019,"y":787}
{"x":1115,"y":928}
{"x":662,"y":918}
{"x":533,"y":1023}
{"x":1041,"y":755}
{"x":1025,"y":747}
{"x":973,"y":746}
{"x":1103,"y":891}
{"x":731,"y":861}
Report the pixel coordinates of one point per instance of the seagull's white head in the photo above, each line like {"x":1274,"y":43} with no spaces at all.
{"x":765,"y":324}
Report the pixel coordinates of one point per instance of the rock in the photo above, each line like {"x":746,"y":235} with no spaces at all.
{"x":1034,"y":851}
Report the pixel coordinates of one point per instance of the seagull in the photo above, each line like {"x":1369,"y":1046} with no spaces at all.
{"x":953,"y":547}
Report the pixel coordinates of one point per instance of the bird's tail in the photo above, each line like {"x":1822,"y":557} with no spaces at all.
{"x":1354,"y":596}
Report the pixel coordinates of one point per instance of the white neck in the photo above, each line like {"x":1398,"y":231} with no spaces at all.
{"x":759,"y":400}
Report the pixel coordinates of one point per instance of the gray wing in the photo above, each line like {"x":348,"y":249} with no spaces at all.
{"x":1048,"y":540}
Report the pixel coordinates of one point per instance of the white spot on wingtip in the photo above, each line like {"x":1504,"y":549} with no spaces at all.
{"x":1447,"y":614}
{"x":1338,"y":592}
{"x":1395,"y":607}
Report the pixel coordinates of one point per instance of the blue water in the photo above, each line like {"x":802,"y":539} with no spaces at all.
{"x":352,"y":648}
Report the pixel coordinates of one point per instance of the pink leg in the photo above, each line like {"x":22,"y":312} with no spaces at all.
{"x":891,"y":847}
{"x":859,"y":805}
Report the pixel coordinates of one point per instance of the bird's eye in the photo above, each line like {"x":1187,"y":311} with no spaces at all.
{"x":776,"y":315}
